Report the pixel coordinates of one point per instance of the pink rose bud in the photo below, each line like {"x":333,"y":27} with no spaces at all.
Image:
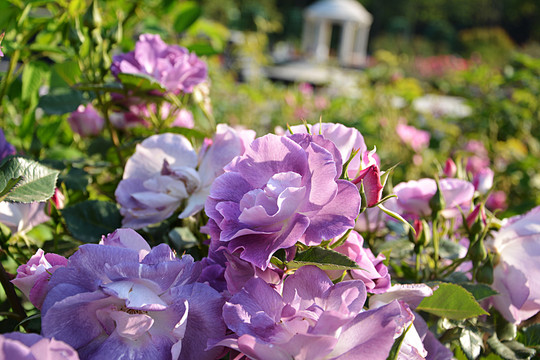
{"x":497,"y":201}
{"x":370,"y":177}
{"x":58,"y":200}
{"x":450,"y":168}
{"x":478,"y":214}
{"x":33,"y":277}
{"x":483,"y":180}
{"x":85,"y":121}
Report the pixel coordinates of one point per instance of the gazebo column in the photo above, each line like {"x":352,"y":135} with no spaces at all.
{"x":322,"y":47}
{"x":345,"y":55}
{"x":360,"y":46}
{"x":308,"y":36}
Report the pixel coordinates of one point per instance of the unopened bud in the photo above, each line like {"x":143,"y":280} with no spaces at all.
{"x":450,"y":168}
{"x":478,"y":252}
{"x":437,"y":202}
{"x":92,"y":18}
{"x":485,"y":273}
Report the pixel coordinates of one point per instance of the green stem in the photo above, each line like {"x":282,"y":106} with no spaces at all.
{"x":435,"y":239}
{"x":112,"y":131}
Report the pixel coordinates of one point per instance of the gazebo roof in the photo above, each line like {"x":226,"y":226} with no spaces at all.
{"x":339,"y":10}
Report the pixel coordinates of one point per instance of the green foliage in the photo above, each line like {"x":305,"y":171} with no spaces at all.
{"x":24,"y":180}
{"x":87,"y":221}
{"x":453,"y":302}
{"x":325,"y":259}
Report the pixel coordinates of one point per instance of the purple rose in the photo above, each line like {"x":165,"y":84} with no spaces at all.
{"x":6,"y":148}
{"x":20,"y":218}
{"x":109,"y":303}
{"x":15,"y":346}
{"x":33,"y":277}
{"x":413,"y":196}
{"x":417,"y":139}
{"x":165,"y":170}
{"x":517,"y":274}
{"x":171,"y":65}
{"x":419,"y":341}
{"x":85,"y":121}
{"x":373,"y":272}
{"x":282,"y":190}
{"x":345,"y":139}
{"x":311,"y":319}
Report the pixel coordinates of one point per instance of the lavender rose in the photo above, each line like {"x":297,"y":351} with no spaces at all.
{"x":282,"y":190}
{"x":165,"y":170}
{"x":517,"y":274}
{"x":116,"y":302}
{"x":14,"y":346}
{"x":311,"y":319}
{"x":171,"y":65}
{"x":413,"y":196}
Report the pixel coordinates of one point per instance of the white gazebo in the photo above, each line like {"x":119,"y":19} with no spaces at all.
{"x":325,"y":16}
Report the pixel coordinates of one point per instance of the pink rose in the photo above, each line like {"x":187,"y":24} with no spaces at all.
{"x":33,"y":277}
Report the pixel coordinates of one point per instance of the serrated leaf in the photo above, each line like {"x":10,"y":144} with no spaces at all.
{"x":471,"y":343}
{"x":188,"y":13}
{"x":325,"y":259}
{"x":140,"y":82}
{"x":479,"y":291}
{"x":510,"y":350}
{"x":453,"y":302}
{"x":37,"y":183}
{"x":89,"y":220}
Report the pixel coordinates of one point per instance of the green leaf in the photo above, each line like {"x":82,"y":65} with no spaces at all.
{"x":106,"y":87}
{"x":89,"y":220}
{"x":396,"y":216}
{"x":394,"y":351}
{"x":453,"y":302}
{"x":188,"y":133}
{"x":471,"y":343}
{"x":69,"y":71}
{"x":203,"y":49}
{"x":530,"y":336}
{"x":32,"y":79}
{"x":76,"y":179}
{"x":183,"y":238}
{"x":140,"y":82}
{"x":188,"y":13}
{"x":479,"y":291}
{"x":325,"y":259}
{"x":37,"y":184}
{"x":61,"y":101}
{"x":510,"y":350}
{"x":9,"y":186}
